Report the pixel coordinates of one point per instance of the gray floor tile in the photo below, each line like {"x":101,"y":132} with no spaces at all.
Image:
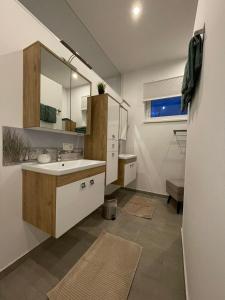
{"x":160,"y":271}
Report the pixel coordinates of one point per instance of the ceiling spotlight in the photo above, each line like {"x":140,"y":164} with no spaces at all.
{"x":136,"y":11}
{"x":75,"y":76}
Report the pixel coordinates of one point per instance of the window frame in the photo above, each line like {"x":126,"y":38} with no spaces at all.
{"x":174,"y":118}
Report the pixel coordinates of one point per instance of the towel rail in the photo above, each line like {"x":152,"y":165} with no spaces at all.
{"x":200,"y":31}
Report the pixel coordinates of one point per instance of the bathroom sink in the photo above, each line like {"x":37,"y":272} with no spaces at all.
{"x":65,"y":167}
{"x":127,"y":156}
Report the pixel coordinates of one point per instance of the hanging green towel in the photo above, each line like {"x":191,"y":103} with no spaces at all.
{"x":192,"y":70}
{"x":51,"y":114}
{"x":43,"y":115}
{"x":47,"y":113}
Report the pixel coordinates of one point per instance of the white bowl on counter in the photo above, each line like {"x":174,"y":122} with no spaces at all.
{"x":44,"y":158}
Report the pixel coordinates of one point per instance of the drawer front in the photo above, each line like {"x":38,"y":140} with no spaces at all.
{"x":111,"y":167}
{"x":130,"y":171}
{"x":112,"y":145}
{"x":77,"y":200}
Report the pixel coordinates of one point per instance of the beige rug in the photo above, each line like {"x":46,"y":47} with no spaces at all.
{"x":140,"y":207}
{"x":104,"y":272}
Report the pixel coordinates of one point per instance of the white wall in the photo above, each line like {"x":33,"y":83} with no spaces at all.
{"x":204,"y":201}
{"x":159,"y":156}
{"x":77,"y":115}
{"x":53,"y":94}
{"x":19,"y":29}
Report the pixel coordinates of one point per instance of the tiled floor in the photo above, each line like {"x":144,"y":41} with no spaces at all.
{"x":160,"y":272}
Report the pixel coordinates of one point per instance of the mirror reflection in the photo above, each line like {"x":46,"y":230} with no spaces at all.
{"x":123,"y":123}
{"x":80,"y":108}
{"x":63,"y":95}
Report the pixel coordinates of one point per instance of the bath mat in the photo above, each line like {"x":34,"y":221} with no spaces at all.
{"x":104,"y":272}
{"x":140,"y":207}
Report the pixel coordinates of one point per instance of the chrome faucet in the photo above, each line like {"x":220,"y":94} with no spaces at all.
{"x":58,"y":156}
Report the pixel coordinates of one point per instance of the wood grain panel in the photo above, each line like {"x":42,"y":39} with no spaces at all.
{"x":31,"y":85}
{"x":120,"y":180}
{"x":95,"y":145}
{"x":72,"y":177}
{"x":88,"y":117}
{"x":39,"y":200}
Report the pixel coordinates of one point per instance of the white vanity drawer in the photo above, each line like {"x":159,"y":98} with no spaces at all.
{"x":112,"y":145}
{"x":130,"y":172}
{"x":111,"y":167}
{"x":77,"y":200}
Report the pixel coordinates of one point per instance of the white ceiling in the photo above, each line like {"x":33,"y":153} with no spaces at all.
{"x":161,"y":34}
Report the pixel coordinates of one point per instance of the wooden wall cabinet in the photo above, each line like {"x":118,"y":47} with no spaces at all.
{"x":55,"y":204}
{"x":102,"y":143}
{"x":50,"y":81}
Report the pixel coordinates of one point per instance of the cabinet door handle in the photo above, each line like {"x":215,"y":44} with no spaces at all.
{"x":83,"y":185}
{"x":113,"y":136}
{"x":113,"y":154}
{"x":92,"y":182}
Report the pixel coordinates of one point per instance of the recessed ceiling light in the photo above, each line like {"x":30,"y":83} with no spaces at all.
{"x":136,"y":10}
{"x":75,"y":76}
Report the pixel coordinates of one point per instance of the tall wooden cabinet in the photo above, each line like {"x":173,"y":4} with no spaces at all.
{"x":102,"y":143}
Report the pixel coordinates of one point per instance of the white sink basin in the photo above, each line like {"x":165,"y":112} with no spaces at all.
{"x":127,"y":156}
{"x":65,"y":167}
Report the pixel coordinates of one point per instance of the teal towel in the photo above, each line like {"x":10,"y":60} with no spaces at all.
{"x":47,"y":113}
{"x":192,"y":70}
{"x":43,"y":116}
{"x":81,"y":130}
{"x":51,"y":114}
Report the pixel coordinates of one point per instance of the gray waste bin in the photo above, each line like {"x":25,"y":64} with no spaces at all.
{"x":110,"y":209}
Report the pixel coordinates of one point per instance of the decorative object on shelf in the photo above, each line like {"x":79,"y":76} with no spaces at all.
{"x":15,"y":147}
{"x":101,"y":88}
{"x":25,"y":145}
{"x":68,"y":125}
{"x":44,"y":158}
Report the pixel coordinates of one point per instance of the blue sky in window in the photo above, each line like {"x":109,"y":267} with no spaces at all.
{"x":165,"y":107}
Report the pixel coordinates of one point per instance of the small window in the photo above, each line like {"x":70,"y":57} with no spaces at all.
{"x":161,"y":109}
{"x":165,"y":107}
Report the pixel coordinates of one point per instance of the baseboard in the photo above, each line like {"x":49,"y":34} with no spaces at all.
{"x":147,"y":192}
{"x":185,"y":268}
{"x":19,"y":260}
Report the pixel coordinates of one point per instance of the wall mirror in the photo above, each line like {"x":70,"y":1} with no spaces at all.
{"x":64,"y":103}
{"x":123,"y":123}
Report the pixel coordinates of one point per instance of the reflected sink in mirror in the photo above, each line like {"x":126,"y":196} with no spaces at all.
{"x":127,"y":156}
